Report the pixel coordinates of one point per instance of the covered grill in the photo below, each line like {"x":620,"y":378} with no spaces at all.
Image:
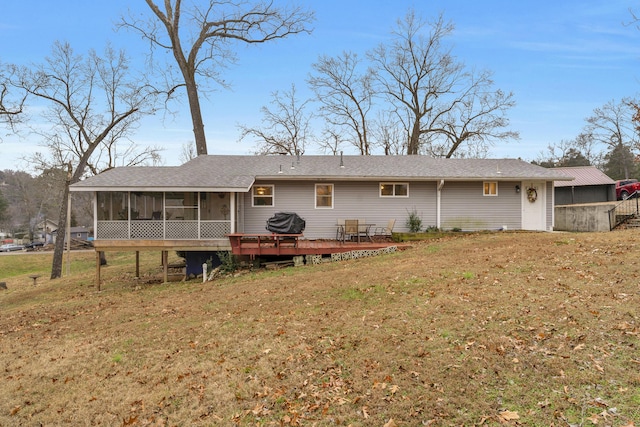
{"x":286,"y":223}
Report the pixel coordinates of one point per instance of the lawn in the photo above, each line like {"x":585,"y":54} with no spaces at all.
{"x":512,"y":328}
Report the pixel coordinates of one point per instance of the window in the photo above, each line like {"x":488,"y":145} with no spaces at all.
{"x":324,"y":196}
{"x":490,"y":188}
{"x":394,"y":189}
{"x":262,"y":195}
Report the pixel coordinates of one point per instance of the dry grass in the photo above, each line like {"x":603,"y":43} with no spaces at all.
{"x":533,"y":329}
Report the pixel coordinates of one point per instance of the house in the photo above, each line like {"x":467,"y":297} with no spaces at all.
{"x":196,"y":206}
{"x":212,"y":196}
{"x":45,"y":230}
{"x":76,"y":233}
{"x":589,"y":186}
{"x":79,"y":233}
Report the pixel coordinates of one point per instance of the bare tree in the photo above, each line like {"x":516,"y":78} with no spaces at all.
{"x":331,"y":141}
{"x":346,"y":96}
{"x":4,"y":205}
{"x":91,"y":104}
{"x":202,"y":45}
{"x":188,"y":152}
{"x":563,"y":154}
{"x":612,"y":127}
{"x":585,"y":144}
{"x":389,"y":134}
{"x":613,"y":123}
{"x":440,"y":104}
{"x":286,"y":128}
{"x":32,"y":198}
{"x":636,"y":114}
{"x":11,"y":105}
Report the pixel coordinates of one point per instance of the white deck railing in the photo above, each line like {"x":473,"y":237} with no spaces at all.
{"x":163,"y":230}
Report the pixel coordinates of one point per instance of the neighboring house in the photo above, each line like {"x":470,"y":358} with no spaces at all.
{"x":77,"y":233}
{"x":45,"y":230}
{"x":196,"y":205}
{"x":589,"y":186}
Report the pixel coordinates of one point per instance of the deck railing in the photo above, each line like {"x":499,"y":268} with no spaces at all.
{"x":163,"y":230}
{"x":623,"y":211}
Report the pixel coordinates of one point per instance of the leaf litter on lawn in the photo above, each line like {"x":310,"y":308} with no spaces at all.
{"x":481,"y":328}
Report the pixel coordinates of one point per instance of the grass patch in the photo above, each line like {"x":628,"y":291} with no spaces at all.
{"x":547,"y":333}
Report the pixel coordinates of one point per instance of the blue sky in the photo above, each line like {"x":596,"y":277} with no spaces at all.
{"x":561,"y":59}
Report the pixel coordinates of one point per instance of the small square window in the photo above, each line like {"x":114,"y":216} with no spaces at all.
{"x":324,"y":196}
{"x":262,"y":195}
{"x":490,"y":188}
{"x":394,"y":189}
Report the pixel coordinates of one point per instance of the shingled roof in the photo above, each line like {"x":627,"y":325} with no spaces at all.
{"x":238,"y":173}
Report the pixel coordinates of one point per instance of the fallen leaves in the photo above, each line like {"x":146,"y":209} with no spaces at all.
{"x":506,"y":416}
{"x":542,"y":351}
{"x":365,"y":412}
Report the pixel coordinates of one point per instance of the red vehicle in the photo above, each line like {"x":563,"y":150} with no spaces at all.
{"x":626,"y":187}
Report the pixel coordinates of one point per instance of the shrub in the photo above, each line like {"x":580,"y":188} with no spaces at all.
{"x":228,"y":262}
{"x":414,"y":222}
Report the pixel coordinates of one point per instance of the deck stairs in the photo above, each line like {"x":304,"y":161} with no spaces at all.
{"x":626,"y":213}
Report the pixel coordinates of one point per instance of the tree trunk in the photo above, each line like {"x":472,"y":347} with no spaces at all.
{"x":61,"y":234}
{"x":414,"y":140}
{"x":196,"y":116}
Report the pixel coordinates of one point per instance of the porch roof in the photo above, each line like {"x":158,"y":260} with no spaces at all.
{"x":238,"y":173}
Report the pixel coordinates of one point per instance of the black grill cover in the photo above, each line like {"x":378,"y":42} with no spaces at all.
{"x":286,"y":223}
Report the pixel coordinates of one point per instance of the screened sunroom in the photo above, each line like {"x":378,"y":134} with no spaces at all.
{"x":175,"y":215}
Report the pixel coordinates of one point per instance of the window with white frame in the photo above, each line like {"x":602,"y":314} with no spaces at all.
{"x":490,"y":188}
{"x":324,"y":196}
{"x":262,"y":195}
{"x":394,"y":189}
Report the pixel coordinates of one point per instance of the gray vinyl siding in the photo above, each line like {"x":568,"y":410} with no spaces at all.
{"x":357,"y":200}
{"x":464,"y":206}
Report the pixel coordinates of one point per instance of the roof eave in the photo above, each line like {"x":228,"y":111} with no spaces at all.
{"x":164,"y":189}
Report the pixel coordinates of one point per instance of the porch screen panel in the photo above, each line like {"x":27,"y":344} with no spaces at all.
{"x":146,"y":205}
{"x":113,"y":205}
{"x":180,"y":206}
{"x":215,"y":206}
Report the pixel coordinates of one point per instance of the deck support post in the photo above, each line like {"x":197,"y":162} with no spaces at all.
{"x":137,"y":264}
{"x":165,"y":266}
{"x":98,"y":270}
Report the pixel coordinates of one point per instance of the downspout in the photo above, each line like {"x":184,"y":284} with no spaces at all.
{"x":232,"y":211}
{"x":438,"y":202}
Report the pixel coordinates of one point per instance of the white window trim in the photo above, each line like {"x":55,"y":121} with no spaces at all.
{"x":484,"y":183}
{"x":315,"y":195}
{"x":394,"y":189}
{"x":273,"y":196}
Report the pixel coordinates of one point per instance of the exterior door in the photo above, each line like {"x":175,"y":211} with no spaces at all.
{"x":533,"y":205}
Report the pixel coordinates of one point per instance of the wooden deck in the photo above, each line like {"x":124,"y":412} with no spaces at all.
{"x":252,"y":245}
{"x":293,"y":245}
